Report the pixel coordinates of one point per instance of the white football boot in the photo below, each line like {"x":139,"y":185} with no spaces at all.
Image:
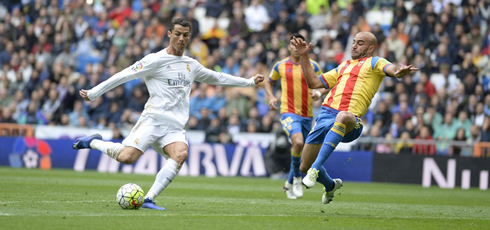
{"x":310,"y":179}
{"x":288,"y":188}
{"x":328,"y":196}
{"x":297,"y":187}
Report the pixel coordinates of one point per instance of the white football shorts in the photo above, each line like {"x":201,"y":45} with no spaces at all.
{"x":145,"y":133}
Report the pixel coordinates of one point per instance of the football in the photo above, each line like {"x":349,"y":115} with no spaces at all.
{"x":130,"y":196}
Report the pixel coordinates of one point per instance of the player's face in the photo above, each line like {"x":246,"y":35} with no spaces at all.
{"x":292,"y":50}
{"x":361,"y":47}
{"x":179,"y":37}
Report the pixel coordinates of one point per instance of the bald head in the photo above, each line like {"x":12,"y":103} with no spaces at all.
{"x":368,"y":37}
{"x":363,"y":45}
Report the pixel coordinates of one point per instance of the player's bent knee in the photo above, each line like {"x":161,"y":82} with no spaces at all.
{"x":345,"y":117}
{"x":304,"y":168}
{"x":180,"y":156}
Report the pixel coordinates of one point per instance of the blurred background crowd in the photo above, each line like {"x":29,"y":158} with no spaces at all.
{"x":49,"y":50}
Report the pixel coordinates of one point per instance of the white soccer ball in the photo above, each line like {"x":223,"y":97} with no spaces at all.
{"x":130,"y":196}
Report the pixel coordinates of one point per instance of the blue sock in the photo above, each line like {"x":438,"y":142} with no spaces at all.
{"x":294,"y":168}
{"x":325,"y":179}
{"x":291,"y":175}
{"x":333,"y":138}
{"x":295,"y":162}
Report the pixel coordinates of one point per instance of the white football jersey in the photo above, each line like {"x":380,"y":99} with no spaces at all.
{"x":168,"y":79}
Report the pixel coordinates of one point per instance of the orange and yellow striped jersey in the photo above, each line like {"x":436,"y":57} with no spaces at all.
{"x":354,"y":84}
{"x":295,"y":96}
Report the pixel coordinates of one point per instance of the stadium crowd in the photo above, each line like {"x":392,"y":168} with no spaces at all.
{"x":49,"y":50}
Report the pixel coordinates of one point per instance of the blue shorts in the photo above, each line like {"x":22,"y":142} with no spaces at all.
{"x":293,"y":123}
{"x":324,"y":123}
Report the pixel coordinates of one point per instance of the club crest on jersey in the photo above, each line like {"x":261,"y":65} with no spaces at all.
{"x":138,"y":66}
{"x":188,"y":68}
{"x":360,"y":63}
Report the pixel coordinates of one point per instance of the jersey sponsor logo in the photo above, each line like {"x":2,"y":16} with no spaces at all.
{"x":138,"y":66}
{"x":188,"y":68}
{"x":181,"y":81}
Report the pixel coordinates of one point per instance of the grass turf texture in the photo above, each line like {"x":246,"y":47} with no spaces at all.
{"x":64,"y":199}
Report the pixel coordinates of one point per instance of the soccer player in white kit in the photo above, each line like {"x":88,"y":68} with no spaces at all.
{"x":168,"y":76}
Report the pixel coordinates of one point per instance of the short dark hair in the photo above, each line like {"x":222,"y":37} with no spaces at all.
{"x":298,"y":35}
{"x":180,"y":21}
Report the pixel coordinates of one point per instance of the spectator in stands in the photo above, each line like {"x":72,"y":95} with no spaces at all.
{"x":479,"y":116}
{"x":78,"y":111}
{"x":460,"y":136}
{"x":225,"y":138}
{"x":424,"y":148}
{"x":50,"y":106}
{"x":395,"y":44}
{"x":240,"y":102}
{"x":213,"y":35}
{"x":266,"y":124}
{"x":137,"y":101}
{"x":7,"y":116}
{"x":114,"y":114}
{"x":33,"y":115}
{"x":464,"y":122}
{"x":404,"y":146}
{"x":234,"y":124}
{"x":256,"y":16}
{"x":213,"y":131}
{"x":200,"y":101}
{"x":386,"y":147}
{"x":204,"y":118}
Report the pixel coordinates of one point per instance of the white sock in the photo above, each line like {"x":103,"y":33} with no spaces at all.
{"x":110,"y":149}
{"x":164,"y":178}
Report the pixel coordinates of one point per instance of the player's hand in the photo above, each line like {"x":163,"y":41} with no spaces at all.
{"x":273,"y":103}
{"x":301,"y":46}
{"x":258,"y":78}
{"x":83,"y":93}
{"x":316,"y":95}
{"x":404,"y":70}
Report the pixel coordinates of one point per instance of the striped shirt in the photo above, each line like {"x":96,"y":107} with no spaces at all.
{"x":295,"y":96}
{"x":354,"y":84}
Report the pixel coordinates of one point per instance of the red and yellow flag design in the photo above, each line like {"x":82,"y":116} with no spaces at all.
{"x":354,"y":84}
{"x":295,"y":93}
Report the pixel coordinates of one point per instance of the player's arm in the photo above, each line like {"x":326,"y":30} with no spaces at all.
{"x":399,"y":71}
{"x":317,"y":93}
{"x":208,"y":76}
{"x":139,"y":69}
{"x":269,"y":84}
{"x":308,"y":72}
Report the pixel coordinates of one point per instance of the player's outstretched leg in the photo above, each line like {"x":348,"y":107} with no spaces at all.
{"x":84,"y":142}
{"x":164,"y":177}
{"x":328,"y":195}
{"x":111,"y":149}
{"x":148,"y":203}
{"x":295,"y":176}
{"x":332,"y":139}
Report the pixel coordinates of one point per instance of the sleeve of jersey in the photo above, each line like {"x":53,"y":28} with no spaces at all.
{"x":212,"y":77}
{"x":316,"y":68}
{"x":274,"y":76}
{"x":142,"y":68}
{"x":329,"y":78}
{"x":380,"y":65}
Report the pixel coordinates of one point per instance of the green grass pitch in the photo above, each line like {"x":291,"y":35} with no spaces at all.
{"x":65,"y":199}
